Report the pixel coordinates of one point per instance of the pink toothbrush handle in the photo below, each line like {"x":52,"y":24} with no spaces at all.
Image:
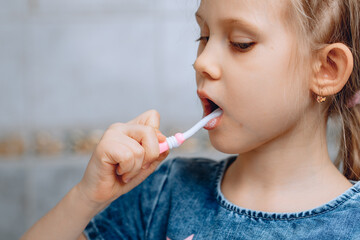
{"x":163,"y":147}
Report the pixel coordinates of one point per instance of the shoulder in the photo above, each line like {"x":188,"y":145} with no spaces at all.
{"x":353,"y":196}
{"x":347,"y":215}
{"x":347,"y":206}
{"x":353,"y":201}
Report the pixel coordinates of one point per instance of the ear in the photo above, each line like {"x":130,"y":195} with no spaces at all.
{"x":334,"y":65}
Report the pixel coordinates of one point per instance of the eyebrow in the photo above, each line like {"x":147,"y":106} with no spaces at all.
{"x":241,"y":23}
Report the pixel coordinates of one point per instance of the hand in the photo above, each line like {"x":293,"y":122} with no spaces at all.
{"x":125,"y":156}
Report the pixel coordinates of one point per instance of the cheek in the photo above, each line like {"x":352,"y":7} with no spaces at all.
{"x":269,"y":78}
{"x":259,"y":85}
{"x":263,"y":90}
{"x":275,"y":97}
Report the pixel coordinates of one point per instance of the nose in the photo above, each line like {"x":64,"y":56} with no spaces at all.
{"x":207,"y":63}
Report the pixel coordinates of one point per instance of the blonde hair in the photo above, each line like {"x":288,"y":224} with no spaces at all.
{"x":325,"y":22}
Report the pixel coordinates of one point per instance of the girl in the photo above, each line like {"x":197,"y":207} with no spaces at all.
{"x":278,"y":69}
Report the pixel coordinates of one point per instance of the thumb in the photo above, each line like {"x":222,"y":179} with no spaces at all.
{"x":160,"y":136}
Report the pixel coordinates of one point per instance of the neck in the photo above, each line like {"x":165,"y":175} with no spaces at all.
{"x":293,"y":165}
{"x":284,"y":163}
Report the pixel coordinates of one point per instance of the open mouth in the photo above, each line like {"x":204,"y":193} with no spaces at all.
{"x":209,"y":106}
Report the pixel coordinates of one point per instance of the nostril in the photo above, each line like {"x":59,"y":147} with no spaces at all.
{"x":206,"y":75}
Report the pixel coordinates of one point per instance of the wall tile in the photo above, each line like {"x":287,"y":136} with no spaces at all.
{"x":89,"y":73}
{"x":81,"y":6}
{"x":11,"y":75}
{"x":177,"y":52}
{"x":13,"y":7}
{"x":176,"y":5}
{"x":50,"y":182}
{"x":13,"y":201}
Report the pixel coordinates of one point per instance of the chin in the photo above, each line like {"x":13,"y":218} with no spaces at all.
{"x":232,"y":146}
{"x":223,"y":146}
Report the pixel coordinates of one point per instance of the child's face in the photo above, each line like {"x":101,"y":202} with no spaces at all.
{"x":243,"y":65}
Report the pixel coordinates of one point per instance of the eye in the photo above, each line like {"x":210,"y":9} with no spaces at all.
{"x":203,"y":39}
{"x":242,"y":47}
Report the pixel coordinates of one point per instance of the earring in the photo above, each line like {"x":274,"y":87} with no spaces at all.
{"x":320,"y":99}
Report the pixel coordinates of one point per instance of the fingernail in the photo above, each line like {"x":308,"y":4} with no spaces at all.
{"x":146,"y":166}
{"x":160,"y":135}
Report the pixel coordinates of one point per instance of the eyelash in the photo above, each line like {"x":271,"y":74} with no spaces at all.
{"x":241,"y":47}
{"x":202,"y":38}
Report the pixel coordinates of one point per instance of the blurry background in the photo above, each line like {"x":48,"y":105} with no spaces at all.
{"x":68,"y":70}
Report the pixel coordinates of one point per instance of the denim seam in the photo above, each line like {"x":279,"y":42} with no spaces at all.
{"x":236,"y":209}
{"x":156,"y":200}
{"x":356,"y":190}
{"x":281,"y":218}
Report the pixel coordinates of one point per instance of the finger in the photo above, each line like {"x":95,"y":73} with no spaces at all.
{"x":138,"y":153}
{"x":144,"y":173}
{"x":148,"y":139}
{"x":112,"y":153}
{"x":160,"y":136}
{"x":126,"y":160}
{"x":149,"y":118}
{"x":139,"y":134}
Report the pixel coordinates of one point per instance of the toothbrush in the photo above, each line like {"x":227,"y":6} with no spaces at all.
{"x":179,"y":138}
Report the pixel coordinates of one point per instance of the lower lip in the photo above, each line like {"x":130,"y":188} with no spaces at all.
{"x":213,"y":123}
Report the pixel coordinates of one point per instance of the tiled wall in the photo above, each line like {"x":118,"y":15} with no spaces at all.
{"x":70,"y":68}
{"x":66,"y":63}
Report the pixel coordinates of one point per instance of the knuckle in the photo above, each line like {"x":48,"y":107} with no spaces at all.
{"x":137,"y":164}
{"x":125,"y":166}
{"x":103,"y":147}
{"x":106,"y":156}
{"x":139,"y":152}
{"x":100,"y":151}
{"x":127,"y":155}
{"x":103,"y":157}
{"x":151,"y":155}
{"x":149,"y":130}
{"x":116,"y":125}
{"x":104,"y":143}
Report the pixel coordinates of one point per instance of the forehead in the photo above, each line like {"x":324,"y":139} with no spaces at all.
{"x":259,"y":12}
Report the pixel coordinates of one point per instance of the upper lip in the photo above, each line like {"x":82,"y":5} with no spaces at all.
{"x":204,"y":97}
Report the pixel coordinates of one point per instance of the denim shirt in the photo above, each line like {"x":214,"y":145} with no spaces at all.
{"x":182,"y":200}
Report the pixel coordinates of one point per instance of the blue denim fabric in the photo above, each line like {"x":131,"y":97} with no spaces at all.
{"x":182,"y":200}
